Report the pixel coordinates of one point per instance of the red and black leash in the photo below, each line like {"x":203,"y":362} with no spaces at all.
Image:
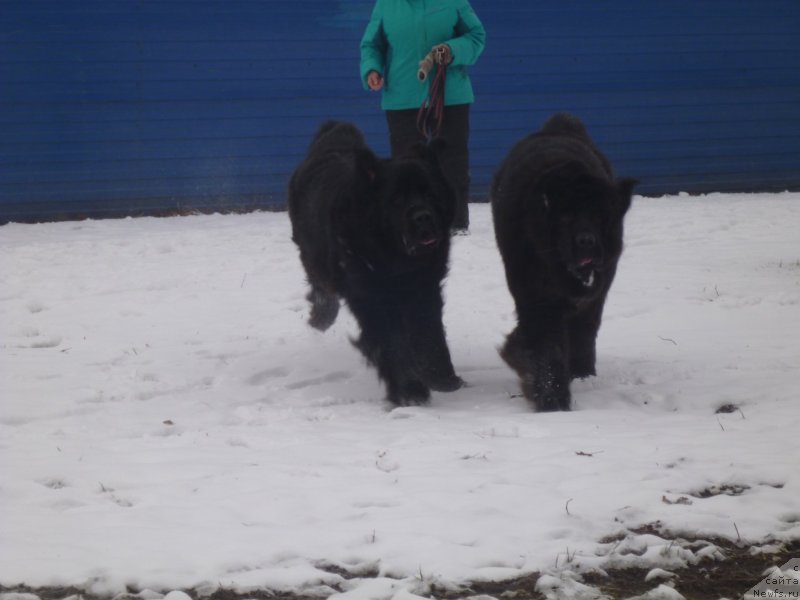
{"x":431,"y":113}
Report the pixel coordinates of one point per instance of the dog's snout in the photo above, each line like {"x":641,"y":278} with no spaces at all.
{"x":422,"y":217}
{"x":586,"y":240}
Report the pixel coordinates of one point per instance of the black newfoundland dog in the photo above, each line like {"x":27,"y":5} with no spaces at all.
{"x":558,"y":212}
{"x":376,"y":233}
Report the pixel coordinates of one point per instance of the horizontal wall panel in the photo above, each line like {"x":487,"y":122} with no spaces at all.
{"x":640,"y":105}
{"x":292,"y":84}
{"x":226,"y":151}
{"x":784,"y":117}
{"x":247,"y":66}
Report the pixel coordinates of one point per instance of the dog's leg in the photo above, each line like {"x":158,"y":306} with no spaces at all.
{"x":583,"y":336}
{"x":388,"y":357}
{"x":385,"y":346}
{"x":408,"y":392}
{"x":324,"y":308}
{"x":582,"y":330}
{"x":428,"y":347}
{"x":540,"y":363}
{"x":323,"y":300}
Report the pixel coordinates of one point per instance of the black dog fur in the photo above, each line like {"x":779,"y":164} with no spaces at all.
{"x":375,"y":233}
{"x":558,"y":218}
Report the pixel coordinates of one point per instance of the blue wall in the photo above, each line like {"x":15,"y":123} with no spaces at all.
{"x":112,"y":107}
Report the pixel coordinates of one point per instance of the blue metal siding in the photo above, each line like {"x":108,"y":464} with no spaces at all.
{"x":115,"y":107}
{"x":123,"y":107}
{"x":690,"y":96}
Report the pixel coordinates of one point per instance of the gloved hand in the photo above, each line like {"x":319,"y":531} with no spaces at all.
{"x":442,"y":54}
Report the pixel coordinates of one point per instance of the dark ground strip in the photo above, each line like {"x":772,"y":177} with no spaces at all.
{"x":708,"y":580}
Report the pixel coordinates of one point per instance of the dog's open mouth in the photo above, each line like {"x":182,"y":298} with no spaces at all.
{"x":584,"y":270}
{"x":422,"y":245}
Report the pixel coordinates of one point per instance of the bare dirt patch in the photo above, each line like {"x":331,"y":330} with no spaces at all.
{"x":743,"y":567}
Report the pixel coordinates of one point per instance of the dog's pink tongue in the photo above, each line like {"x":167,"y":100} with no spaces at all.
{"x":587,"y":260}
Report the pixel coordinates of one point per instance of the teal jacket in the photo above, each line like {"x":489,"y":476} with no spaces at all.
{"x":399,"y":35}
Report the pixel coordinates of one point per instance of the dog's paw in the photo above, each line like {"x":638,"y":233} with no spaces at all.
{"x":410,"y":400}
{"x":412,"y":393}
{"x":546,"y":393}
{"x":324,"y":310}
{"x":321,"y":321}
{"x":413,"y":401}
{"x":581,"y":372}
{"x":582,"y":364}
{"x":445,"y":384}
{"x":551,"y":404}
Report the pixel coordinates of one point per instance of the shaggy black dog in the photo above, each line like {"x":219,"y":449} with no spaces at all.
{"x":558,"y":213}
{"x":376,"y":233}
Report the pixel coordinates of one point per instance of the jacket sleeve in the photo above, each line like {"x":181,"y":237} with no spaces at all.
{"x":471,"y":36}
{"x":373,"y":45}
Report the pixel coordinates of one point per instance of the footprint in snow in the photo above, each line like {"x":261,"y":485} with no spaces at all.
{"x":36,"y":339}
{"x":35,"y":307}
{"x":264,"y":376}
{"x":46,"y":342}
{"x":328,"y":378}
{"x":53,"y":483}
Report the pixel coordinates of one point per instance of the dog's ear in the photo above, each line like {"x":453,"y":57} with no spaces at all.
{"x":367,"y":163}
{"x":430,"y":152}
{"x":625,"y":187}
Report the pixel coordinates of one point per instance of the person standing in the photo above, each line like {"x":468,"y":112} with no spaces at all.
{"x":400,"y":33}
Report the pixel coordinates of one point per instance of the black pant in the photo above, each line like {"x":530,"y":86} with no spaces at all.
{"x":403,"y":134}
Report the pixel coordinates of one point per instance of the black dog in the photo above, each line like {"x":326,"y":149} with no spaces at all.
{"x":558,"y":214}
{"x":376,"y":233}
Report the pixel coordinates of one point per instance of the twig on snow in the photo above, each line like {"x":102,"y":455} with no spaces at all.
{"x":582,"y":453}
{"x":570,"y":557}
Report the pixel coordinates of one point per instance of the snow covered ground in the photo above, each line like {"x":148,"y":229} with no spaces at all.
{"x":168,"y":420}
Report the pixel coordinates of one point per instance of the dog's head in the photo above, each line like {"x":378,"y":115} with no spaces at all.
{"x":418,"y":202}
{"x":584,"y":215}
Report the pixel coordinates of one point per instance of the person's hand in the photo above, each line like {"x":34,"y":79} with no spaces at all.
{"x":374,"y":81}
{"x":442,"y":54}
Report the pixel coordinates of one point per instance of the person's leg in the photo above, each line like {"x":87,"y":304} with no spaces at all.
{"x":403,"y":132}
{"x":455,"y":159}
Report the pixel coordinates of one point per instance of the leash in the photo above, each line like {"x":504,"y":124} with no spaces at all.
{"x":431,"y":113}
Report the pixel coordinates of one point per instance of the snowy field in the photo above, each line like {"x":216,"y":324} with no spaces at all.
{"x":168,"y":420}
